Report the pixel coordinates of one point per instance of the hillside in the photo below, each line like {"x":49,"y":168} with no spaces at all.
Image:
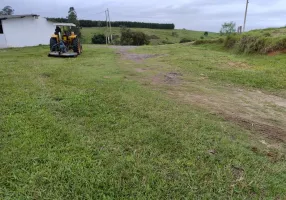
{"x":164,"y":36}
{"x":272,"y":32}
{"x":269,"y":41}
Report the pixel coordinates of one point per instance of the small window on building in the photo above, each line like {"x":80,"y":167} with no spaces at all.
{"x":1,"y":28}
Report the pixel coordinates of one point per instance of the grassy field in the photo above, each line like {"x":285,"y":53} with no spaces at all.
{"x":256,"y":71}
{"x":87,"y":128}
{"x":165,"y":36}
{"x":271,"y":32}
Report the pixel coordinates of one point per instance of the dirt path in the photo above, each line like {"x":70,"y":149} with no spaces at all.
{"x":253,"y":110}
{"x":123,"y":51}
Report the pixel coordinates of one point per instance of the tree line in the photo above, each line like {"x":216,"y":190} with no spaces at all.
{"x":91,"y":23}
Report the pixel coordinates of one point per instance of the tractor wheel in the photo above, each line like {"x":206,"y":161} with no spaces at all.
{"x":53,"y":42}
{"x":76,"y":46}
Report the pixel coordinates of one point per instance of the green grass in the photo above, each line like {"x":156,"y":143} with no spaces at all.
{"x":80,"y":129}
{"x":272,"y":32}
{"x":165,"y":36}
{"x":260,"y":41}
{"x":257,"y":71}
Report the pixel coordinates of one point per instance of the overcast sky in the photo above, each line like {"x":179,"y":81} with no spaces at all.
{"x":205,"y":15}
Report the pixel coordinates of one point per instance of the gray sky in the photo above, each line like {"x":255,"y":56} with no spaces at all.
{"x":205,"y":15}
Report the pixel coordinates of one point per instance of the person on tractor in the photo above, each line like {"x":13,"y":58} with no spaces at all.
{"x":58,"y":30}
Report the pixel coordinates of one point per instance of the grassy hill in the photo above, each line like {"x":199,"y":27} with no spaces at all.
{"x":163,"y":36}
{"x":270,"y":32}
{"x":270,"y":41}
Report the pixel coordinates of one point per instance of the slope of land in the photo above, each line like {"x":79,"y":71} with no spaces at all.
{"x":154,"y":122}
{"x":271,"y":32}
{"x":160,"y":36}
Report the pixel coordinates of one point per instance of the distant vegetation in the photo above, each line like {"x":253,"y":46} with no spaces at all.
{"x":185,"y":40}
{"x":90,"y":23}
{"x":127,"y":37}
{"x":228,"y":28}
{"x":255,"y":43}
{"x":262,"y":41}
{"x":156,"y":36}
{"x":136,"y":38}
{"x":98,"y":39}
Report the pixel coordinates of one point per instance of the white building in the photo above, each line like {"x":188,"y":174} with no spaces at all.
{"x":24,"y":30}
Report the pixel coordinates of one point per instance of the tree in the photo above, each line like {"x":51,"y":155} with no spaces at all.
{"x":228,"y":28}
{"x":7,"y":10}
{"x":72,"y":18}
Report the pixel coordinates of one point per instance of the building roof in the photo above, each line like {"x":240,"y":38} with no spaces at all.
{"x":17,"y":16}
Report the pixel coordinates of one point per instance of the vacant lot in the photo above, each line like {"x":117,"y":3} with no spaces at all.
{"x":165,"y":122}
{"x":159,"y":36}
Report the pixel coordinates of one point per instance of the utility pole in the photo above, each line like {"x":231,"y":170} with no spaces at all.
{"x":109,"y":24}
{"x":247,"y":2}
{"x":106,"y":34}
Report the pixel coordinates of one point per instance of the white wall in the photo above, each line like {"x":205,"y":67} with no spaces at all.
{"x":27,"y":31}
{"x":3,"y":43}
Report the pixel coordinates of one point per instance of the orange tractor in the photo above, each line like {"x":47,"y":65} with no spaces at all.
{"x":64,"y":43}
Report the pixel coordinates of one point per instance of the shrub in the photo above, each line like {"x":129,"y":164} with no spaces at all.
{"x":153,"y":37}
{"x":126,"y":36}
{"x":206,"y":34}
{"x":230,"y":41}
{"x":137,"y":38}
{"x":98,"y":39}
{"x":167,"y":42}
{"x":214,"y":41}
{"x":202,"y":37}
{"x":175,"y":34}
{"x":115,"y":37}
{"x":267,"y":34}
{"x":185,"y":40}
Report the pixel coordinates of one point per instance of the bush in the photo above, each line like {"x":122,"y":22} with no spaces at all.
{"x":167,"y":42}
{"x":230,"y":41}
{"x":126,"y":36}
{"x":98,"y":39}
{"x":175,"y":34}
{"x":206,"y":34}
{"x":115,"y":37}
{"x":267,"y":34}
{"x":185,"y":40}
{"x":214,"y":41}
{"x":153,"y":37}
{"x":202,"y":37}
{"x":137,"y":38}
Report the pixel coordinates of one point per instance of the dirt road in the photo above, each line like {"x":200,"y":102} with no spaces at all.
{"x":261,"y":113}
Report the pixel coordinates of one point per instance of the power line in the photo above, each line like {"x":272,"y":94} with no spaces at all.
{"x":99,"y":13}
